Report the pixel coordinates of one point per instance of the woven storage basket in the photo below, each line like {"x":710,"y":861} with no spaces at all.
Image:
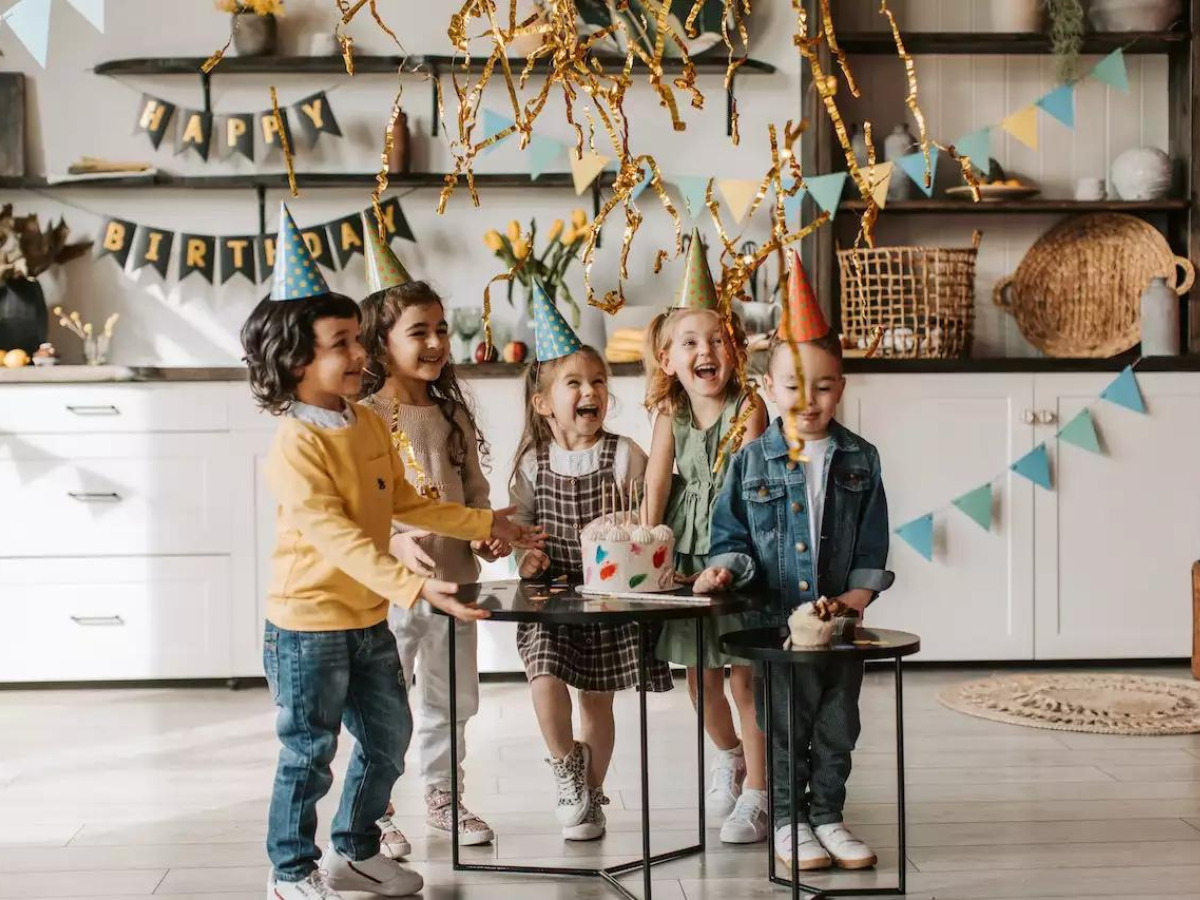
{"x":922,"y":297}
{"x":1078,"y":290}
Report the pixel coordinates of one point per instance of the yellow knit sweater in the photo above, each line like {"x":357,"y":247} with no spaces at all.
{"x":337,"y":491}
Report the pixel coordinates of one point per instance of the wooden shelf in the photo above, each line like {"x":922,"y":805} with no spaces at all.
{"x":557,"y":180}
{"x":1022,"y":207}
{"x":329,"y":65}
{"x":881,"y":43}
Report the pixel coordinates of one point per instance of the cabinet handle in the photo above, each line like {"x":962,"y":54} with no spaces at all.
{"x":97,"y":621}
{"x":1047,"y":417}
{"x":89,"y":497}
{"x":107,"y":410}
{"x":1028,"y":416}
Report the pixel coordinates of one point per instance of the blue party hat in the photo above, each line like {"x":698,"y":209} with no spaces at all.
{"x":553,"y":336}
{"x":296,"y":274}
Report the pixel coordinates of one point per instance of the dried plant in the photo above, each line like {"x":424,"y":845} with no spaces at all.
{"x":1066,"y":36}
{"x":26,"y":251}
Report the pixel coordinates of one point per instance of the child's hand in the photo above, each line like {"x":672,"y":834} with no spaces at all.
{"x":712,"y":581}
{"x":407,"y":549}
{"x":491,"y":550}
{"x":525,"y":537}
{"x":856,"y":599}
{"x":440,"y":595}
{"x":533,"y":564}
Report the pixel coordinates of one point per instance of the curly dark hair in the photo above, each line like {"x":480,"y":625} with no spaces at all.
{"x":278,"y":340}
{"x":380,"y":313}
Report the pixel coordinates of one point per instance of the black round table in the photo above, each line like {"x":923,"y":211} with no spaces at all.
{"x":765,"y":646}
{"x":561,"y":603}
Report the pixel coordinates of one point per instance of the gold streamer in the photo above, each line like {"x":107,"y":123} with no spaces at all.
{"x":218,"y":55}
{"x":404,"y":447}
{"x":381,"y":179}
{"x":839,"y":54}
{"x":284,"y":144}
{"x":910,"y":71}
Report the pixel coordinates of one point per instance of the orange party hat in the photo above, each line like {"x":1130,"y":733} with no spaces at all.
{"x":806,"y":319}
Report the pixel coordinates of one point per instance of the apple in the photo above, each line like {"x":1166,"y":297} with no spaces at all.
{"x":515,"y":352}
{"x":485,"y":353}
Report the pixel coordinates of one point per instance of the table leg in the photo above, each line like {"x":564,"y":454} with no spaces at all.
{"x":900,"y":818}
{"x":643,"y":649}
{"x":793,"y":782}
{"x":454,"y":785}
{"x":700,"y":729}
{"x":768,"y":733}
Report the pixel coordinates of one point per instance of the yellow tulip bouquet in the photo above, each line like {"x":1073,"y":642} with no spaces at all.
{"x":515,"y":249}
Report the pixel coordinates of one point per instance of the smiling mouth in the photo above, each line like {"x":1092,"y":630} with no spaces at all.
{"x":588,"y":412}
{"x":430,"y":360}
{"x":706,"y":372}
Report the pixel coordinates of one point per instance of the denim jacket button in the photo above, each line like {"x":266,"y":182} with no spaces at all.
{"x":803,"y":585}
{"x":797,"y":506}
{"x":791,"y":466}
{"x":801,"y":547}
{"x":762,"y":492}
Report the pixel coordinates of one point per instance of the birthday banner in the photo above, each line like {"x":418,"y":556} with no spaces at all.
{"x":977,"y":503}
{"x":249,"y":255}
{"x":195,"y":129}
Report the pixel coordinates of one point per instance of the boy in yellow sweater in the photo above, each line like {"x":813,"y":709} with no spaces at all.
{"x":328,"y":653}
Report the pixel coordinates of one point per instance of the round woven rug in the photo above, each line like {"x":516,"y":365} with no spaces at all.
{"x":1095,"y":702}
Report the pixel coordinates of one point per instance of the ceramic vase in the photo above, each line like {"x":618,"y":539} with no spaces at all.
{"x":1160,"y":319}
{"x":255,"y":35}
{"x":1017,"y":15}
{"x":1134,"y":15}
{"x":897,"y":144}
{"x":1143,"y":173}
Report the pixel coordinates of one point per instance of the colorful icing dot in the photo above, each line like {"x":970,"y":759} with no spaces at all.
{"x":607,"y":571}
{"x":635,"y":549}
{"x":660,"y":556}
{"x":636,"y":580}
{"x":601,"y":554}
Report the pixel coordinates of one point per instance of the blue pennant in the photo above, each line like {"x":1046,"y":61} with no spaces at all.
{"x":977,"y":146}
{"x":643,"y":184}
{"x":493,"y":124}
{"x":977,"y":504}
{"x":1111,"y":71}
{"x":1034,"y":465}
{"x":826,"y":191}
{"x":1124,"y":391}
{"x":791,"y":204}
{"x":542,"y":152}
{"x":914,"y":167}
{"x":1060,"y":103}
{"x":693,"y":188}
{"x":918,"y":534}
{"x":1081,"y":431}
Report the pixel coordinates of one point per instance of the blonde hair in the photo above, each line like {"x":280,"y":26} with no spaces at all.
{"x":538,"y":377}
{"x":664,"y":393}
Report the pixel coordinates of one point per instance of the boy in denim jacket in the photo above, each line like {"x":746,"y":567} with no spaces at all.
{"x":765,"y":532}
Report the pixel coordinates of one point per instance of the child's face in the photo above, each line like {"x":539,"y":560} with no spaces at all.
{"x":419,"y":343}
{"x":699,"y":354}
{"x":336,"y":369}
{"x":823,"y":382}
{"x":577,"y":400}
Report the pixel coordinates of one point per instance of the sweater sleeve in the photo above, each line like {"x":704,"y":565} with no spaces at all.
{"x":308,"y":498}
{"x":521,"y":495}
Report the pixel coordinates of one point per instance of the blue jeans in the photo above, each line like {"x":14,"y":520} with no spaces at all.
{"x":318,"y":680}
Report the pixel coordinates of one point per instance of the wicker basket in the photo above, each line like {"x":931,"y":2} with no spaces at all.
{"x":1078,"y":290}
{"x":922,"y":297}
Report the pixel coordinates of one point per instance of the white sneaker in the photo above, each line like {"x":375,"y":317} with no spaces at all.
{"x":594,"y":825}
{"x":728,"y":772}
{"x":747,"y":824}
{"x":811,"y":854}
{"x":392,"y":842}
{"x":570,"y":777}
{"x":314,"y":887}
{"x":847,"y":850}
{"x":377,"y":875}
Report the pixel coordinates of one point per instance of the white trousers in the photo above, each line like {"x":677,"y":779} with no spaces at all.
{"x":423,"y":641}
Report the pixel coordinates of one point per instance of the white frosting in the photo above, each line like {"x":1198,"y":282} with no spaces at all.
{"x":806,"y":629}
{"x":633,"y":559}
{"x":641,"y":534}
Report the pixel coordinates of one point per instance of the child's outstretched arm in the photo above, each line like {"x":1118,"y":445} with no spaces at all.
{"x":731,"y":545}
{"x":868,"y":567}
{"x":530,"y":563}
{"x":659,"y":469}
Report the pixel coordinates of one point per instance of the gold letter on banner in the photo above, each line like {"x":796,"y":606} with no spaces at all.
{"x":153,"y":239}
{"x":193,"y":131}
{"x":349,"y":238}
{"x":270,"y":129}
{"x":315,"y":245}
{"x":314,"y":111}
{"x":114,"y":237}
{"x":195,"y":254}
{"x":234,"y":129}
{"x":152,"y":115}
{"x":236,"y":247}
{"x":268,"y":244}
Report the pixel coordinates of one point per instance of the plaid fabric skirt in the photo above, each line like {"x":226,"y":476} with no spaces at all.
{"x":597,"y":658}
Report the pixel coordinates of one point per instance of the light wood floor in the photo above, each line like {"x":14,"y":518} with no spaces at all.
{"x":126,"y":794}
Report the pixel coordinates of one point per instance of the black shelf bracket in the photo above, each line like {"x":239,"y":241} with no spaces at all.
{"x":260,"y":192}
{"x":434,"y":87}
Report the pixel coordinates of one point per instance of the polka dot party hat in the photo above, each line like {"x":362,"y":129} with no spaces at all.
{"x":807,"y":321}
{"x":554,"y":337}
{"x":697,"y":290}
{"x":384,"y":270}
{"x":296,"y":274}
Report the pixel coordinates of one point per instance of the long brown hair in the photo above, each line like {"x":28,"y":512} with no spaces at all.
{"x":380,"y":313}
{"x":665,"y":393}
{"x":538,"y":378}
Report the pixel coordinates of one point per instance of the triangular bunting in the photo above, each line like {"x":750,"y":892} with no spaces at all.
{"x":879,"y":177}
{"x":738,"y":195}
{"x":1034,"y":465}
{"x":1060,"y":103}
{"x":913,"y":165}
{"x":585,"y":171}
{"x":92,"y":10}
{"x":543,"y":151}
{"x":30,"y":22}
{"x":693,"y":188}
{"x":977,"y":504}
{"x":976,"y":146}
{"x":1124,"y":391}
{"x":918,"y":534}
{"x":1023,"y":126}
{"x":791,"y":204}
{"x":1081,"y":431}
{"x":1111,"y":71}
{"x":493,"y":124}
{"x":826,"y":191}
{"x":643,"y":184}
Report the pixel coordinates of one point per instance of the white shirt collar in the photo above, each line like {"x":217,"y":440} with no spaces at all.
{"x":322,"y":417}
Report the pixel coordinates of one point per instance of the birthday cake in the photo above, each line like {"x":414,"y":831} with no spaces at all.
{"x":624,"y":556}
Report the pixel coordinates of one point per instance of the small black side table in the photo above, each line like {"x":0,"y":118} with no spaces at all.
{"x":562,"y":604}
{"x":765,"y":645}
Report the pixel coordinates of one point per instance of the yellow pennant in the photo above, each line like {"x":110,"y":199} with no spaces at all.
{"x":738,"y":196}
{"x":879,"y":176}
{"x":1023,"y":126}
{"x":585,"y":171}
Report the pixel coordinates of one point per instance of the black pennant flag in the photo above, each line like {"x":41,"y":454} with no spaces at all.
{"x":265,"y":247}
{"x":316,"y":117}
{"x":116,"y":240}
{"x":153,"y":118}
{"x":318,"y":245}
{"x":237,"y":135}
{"x":394,"y":221}
{"x":346,"y":235}
{"x":197,"y":253}
{"x":270,"y":130}
{"x":152,"y":247}
{"x":237,"y":256}
{"x":195,"y":131}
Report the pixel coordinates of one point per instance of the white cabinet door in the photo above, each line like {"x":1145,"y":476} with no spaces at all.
{"x":1117,"y":536}
{"x":938,"y":437}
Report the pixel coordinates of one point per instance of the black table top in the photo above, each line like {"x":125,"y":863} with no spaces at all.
{"x":560,"y":603}
{"x":766,"y":645}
